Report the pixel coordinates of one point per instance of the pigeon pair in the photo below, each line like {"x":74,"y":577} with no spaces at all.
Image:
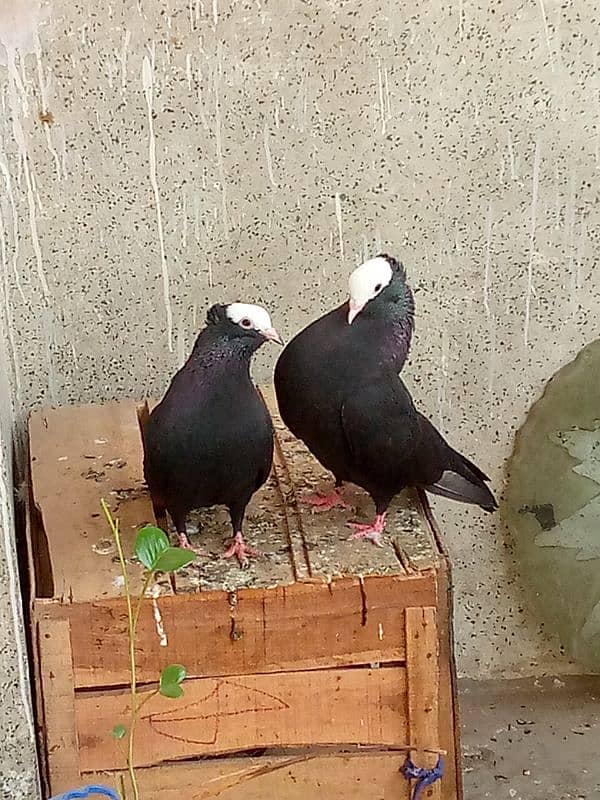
{"x":210,"y":440}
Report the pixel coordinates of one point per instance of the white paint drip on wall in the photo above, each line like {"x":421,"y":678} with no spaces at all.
{"x":44,"y":96}
{"x":486,"y":304}
{"x":184,"y":221}
{"x":10,"y":323}
{"x":269,"y":157}
{"x":219,"y":142}
{"x":19,"y":37}
{"x":188,"y":69}
{"x":338,"y":214}
{"x":123,"y":58}
{"x":511,"y":157}
{"x":486,"y":279}
{"x":148,"y":86}
{"x":547,"y":33}
{"x":15,"y":228}
{"x":534,"y":197}
{"x":385,"y":111}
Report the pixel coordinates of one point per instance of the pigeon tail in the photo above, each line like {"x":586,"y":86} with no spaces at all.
{"x":465,"y":482}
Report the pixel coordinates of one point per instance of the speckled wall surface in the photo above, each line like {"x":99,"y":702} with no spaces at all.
{"x":157,"y":156}
{"x":18,"y":773}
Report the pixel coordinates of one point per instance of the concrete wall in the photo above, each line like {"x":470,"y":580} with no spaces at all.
{"x":159,"y":155}
{"x":18,"y":774}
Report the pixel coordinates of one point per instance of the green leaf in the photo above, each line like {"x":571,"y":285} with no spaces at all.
{"x":173,"y":558}
{"x":150,"y":543}
{"x":171,"y":679}
{"x":119,"y":731}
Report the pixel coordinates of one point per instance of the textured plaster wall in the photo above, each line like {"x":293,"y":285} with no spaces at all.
{"x":157,"y":156}
{"x":18,"y":775}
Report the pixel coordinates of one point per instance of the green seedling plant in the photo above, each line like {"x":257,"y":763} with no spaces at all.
{"x":154,"y":551}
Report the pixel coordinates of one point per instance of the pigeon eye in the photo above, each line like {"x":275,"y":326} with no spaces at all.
{"x":378,"y":287}
{"x":246,"y":323}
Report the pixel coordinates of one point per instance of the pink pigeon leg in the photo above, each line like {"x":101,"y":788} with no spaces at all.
{"x":185,"y":543}
{"x":242,"y":551}
{"x":373,"y":531}
{"x":325,"y":501}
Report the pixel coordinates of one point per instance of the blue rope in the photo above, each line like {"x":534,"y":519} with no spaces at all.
{"x":424,"y":777}
{"x":88,"y":791}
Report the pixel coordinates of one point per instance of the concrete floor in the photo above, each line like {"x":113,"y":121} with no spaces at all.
{"x":533,"y":739}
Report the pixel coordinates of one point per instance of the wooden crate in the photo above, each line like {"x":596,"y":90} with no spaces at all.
{"x":310,"y":675}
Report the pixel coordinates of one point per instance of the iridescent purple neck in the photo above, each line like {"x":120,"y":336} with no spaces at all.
{"x":395,"y":344}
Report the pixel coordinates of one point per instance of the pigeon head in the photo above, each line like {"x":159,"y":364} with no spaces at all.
{"x":244,"y":323}
{"x":378,"y":289}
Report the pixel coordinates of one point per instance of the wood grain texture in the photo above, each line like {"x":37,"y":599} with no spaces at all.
{"x":58,"y":700}
{"x":262,"y":631}
{"x":80,"y":454}
{"x":369,"y":776}
{"x":228,"y":715}
{"x":422,"y":673}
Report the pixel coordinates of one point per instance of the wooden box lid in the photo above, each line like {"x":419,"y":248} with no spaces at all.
{"x":80,"y":454}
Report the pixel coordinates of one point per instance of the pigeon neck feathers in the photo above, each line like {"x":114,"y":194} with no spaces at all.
{"x":221,"y":341}
{"x":388,"y":319}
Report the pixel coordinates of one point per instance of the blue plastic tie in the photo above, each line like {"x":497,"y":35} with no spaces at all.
{"x":88,"y":791}
{"x":424,"y":777}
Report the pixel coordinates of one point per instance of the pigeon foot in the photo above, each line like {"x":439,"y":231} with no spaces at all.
{"x":185,"y":543}
{"x":323,"y":501}
{"x":242,"y":551}
{"x":372,"y":532}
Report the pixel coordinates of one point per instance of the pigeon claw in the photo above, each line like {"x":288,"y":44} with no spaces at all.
{"x":242,"y":551}
{"x":185,"y":543}
{"x":322,"y":501}
{"x":373,"y":531}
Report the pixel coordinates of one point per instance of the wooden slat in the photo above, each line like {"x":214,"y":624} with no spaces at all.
{"x":452,"y":786}
{"x":449,"y":723}
{"x":58,"y":698}
{"x":68,"y":446}
{"x":302,"y":626}
{"x":422,"y":675}
{"x":227,"y":715}
{"x":369,"y":776}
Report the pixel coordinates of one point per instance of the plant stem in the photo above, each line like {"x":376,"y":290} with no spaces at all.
{"x":145,"y":700}
{"x":132,"y":623}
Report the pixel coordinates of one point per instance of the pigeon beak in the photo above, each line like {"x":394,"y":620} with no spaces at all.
{"x":272,"y":335}
{"x":354,"y":309}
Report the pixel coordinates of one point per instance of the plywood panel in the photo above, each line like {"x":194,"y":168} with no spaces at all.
{"x":372,"y":776}
{"x":255,"y":631}
{"x":225,"y":715}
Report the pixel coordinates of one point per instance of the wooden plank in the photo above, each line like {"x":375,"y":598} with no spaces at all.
{"x":452,"y":785}
{"x":249,"y":632}
{"x":452,"y":788}
{"x":369,"y":776}
{"x":78,"y":455}
{"x":422,"y":675}
{"x":228,"y":715}
{"x":58,"y":699}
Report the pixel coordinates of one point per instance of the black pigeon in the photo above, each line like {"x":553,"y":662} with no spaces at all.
{"x":210,"y":440}
{"x":338,"y":390}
